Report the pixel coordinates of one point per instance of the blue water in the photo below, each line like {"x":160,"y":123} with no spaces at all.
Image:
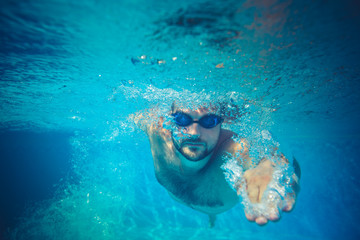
{"x":72,"y":164}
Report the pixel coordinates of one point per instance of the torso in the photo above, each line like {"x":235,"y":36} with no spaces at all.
{"x":207,"y":190}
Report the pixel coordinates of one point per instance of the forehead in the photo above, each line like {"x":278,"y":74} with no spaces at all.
{"x":194,"y":110}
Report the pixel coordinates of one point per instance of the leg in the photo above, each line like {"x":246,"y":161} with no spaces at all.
{"x":212,"y":218}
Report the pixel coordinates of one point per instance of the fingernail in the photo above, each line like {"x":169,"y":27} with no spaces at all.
{"x":261,"y":221}
{"x":287,"y":208}
{"x":274,"y":217}
{"x":249,"y":217}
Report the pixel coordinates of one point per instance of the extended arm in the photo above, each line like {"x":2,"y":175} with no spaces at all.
{"x":258,"y":180}
{"x":262,"y":186}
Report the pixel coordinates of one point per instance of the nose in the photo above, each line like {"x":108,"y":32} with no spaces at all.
{"x":193,"y":130}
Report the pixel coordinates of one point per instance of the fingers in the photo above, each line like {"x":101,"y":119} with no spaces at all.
{"x":268,"y":209}
{"x":260,"y":217}
{"x":253,"y":192}
{"x":257,"y":182}
{"x":250,"y":217}
{"x":252,"y":186}
{"x":289,"y":204}
{"x":256,"y":187}
{"x":261,"y":220}
{"x":274,"y":214}
{"x":262,"y":188}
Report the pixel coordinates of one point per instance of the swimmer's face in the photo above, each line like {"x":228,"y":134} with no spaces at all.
{"x":194,"y":141}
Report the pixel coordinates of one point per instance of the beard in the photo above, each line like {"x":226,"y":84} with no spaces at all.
{"x":192,"y":153}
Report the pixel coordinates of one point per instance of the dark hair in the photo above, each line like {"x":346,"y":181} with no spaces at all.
{"x":228,"y":110}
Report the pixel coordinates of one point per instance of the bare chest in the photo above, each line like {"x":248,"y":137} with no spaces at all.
{"x":209,"y":193}
{"x":206,"y":191}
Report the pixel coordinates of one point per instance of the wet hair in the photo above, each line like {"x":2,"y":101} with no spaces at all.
{"x":228,"y":110}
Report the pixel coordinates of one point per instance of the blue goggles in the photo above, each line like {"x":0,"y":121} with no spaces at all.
{"x":207,"y":121}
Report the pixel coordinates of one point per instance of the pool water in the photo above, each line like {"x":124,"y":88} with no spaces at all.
{"x":73,"y":164}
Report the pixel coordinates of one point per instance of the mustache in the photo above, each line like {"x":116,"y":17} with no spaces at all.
{"x":192,"y":141}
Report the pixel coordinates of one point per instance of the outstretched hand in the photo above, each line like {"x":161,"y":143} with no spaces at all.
{"x":257,"y":181}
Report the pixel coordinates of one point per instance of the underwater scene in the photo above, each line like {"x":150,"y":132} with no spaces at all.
{"x":76,"y":164}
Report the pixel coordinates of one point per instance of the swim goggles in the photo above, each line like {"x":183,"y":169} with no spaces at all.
{"x":207,"y":121}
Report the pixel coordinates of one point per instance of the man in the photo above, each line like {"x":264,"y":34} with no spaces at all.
{"x":189,"y":152}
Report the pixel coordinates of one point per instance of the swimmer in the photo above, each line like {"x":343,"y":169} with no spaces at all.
{"x":188,"y":153}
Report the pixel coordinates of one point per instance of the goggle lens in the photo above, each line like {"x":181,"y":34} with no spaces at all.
{"x":208,"y":121}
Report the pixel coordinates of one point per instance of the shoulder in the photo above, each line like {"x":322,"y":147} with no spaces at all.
{"x":235,"y":146}
{"x":232,"y":142}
